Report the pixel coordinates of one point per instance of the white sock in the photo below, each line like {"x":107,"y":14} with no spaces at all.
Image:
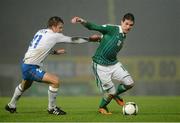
{"x":17,"y":94}
{"x":52,"y":94}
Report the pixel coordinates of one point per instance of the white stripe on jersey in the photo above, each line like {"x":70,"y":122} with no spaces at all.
{"x":43,"y":41}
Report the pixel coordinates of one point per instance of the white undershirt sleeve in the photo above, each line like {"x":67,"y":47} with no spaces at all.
{"x":67,"y":39}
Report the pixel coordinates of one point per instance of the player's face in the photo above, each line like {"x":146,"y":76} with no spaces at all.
{"x":127,"y":25}
{"x":58,"y":28}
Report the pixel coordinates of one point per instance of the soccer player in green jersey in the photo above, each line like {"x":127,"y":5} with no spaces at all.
{"x":105,"y":64}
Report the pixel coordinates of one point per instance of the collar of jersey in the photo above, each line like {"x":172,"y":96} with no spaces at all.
{"x":49,"y":30}
{"x":121,"y":31}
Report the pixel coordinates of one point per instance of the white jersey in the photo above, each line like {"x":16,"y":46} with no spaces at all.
{"x":43,"y":41}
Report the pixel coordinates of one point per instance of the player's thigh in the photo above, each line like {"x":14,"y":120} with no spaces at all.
{"x":32,"y":73}
{"x":103,"y":78}
{"x":128,"y":81}
{"x":119,"y":72}
{"x":50,"y":78}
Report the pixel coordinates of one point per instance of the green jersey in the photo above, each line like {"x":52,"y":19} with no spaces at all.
{"x":110,"y":44}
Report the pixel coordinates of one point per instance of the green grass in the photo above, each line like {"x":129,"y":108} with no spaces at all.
{"x":84,"y":109}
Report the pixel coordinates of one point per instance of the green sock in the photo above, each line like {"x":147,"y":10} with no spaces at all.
{"x":117,"y":97}
{"x":120,"y":89}
{"x":105,"y":101}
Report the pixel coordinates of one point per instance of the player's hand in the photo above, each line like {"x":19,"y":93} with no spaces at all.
{"x":95,"y":38}
{"x":77,"y":20}
{"x":60,"y":51}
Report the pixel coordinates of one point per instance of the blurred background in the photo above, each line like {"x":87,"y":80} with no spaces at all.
{"x":151,"y":52}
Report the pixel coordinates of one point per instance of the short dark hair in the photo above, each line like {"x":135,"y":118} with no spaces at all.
{"x":53,"y":21}
{"x":129,"y":16}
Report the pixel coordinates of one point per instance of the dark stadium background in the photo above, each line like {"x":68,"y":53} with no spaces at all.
{"x":151,"y":52}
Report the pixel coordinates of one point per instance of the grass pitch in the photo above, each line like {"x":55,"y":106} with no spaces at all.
{"x":84,"y":109}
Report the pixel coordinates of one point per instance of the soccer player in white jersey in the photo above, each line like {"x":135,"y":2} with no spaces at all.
{"x":39,"y":48}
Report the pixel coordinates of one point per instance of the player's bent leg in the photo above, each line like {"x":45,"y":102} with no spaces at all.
{"x":108,"y":95}
{"x":105,"y":84}
{"x":121,"y":89}
{"x":103,"y":105}
{"x":53,"y":80}
{"x":128,"y":83}
{"x":11,"y":106}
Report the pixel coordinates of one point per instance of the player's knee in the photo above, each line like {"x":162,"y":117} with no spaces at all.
{"x":129,"y":86}
{"x":56,"y":81}
{"x":25,"y":85}
{"x":108,"y":96}
{"x":128,"y":82}
{"x":111,"y":91}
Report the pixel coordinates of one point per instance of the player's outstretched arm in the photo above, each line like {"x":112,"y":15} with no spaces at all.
{"x":89,"y":25}
{"x":81,"y":39}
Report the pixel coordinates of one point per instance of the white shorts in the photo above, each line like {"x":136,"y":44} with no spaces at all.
{"x":105,"y":74}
